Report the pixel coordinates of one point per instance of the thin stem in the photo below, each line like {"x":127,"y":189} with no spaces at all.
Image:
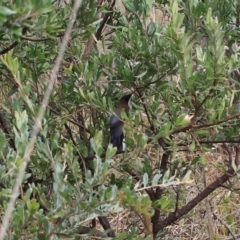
{"x":37,"y":125}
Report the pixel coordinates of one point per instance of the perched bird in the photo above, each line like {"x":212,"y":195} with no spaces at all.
{"x":116,"y":124}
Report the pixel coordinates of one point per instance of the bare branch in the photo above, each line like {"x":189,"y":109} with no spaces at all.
{"x":106,"y":225}
{"x":13,"y":45}
{"x":237,"y":159}
{"x":174,"y":216}
{"x":191,"y":126}
{"x":38,"y":123}
{"x":225,"y":225}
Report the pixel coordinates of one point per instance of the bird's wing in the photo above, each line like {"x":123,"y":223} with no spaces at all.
{"x":116,"y":131}
{"x":115,"y":121}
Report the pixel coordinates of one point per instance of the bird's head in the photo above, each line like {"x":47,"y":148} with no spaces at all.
{"x":125,"y":102}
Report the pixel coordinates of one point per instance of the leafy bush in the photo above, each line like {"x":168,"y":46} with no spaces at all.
{"x":180,"y":59}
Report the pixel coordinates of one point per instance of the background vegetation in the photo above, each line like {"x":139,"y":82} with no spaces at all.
{"x":178,"y":178}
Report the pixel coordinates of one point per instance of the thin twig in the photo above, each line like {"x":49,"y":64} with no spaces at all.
{"x":191,"y":126}
{"x":13,"y":45}
{"x":68,"y":119}
{"x":209,"y":223}
{"x":168,"y":72}
{"x":174,"y":216}
{"x":37,"y":125}
{"x":31,"y":39}
{"x":237,"y":159}
{"x":225,"y":225}
{"x":234,"y":237}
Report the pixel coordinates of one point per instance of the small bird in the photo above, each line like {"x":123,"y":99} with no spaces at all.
{"x":116,"y":124}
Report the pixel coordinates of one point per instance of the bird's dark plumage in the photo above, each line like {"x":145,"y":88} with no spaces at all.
{"x":116,"y":124}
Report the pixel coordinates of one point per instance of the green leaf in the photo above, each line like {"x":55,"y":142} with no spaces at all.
{"x":187,"y":176}
{"x":179,"y":120}
{"x":166,"y":177}
{"x":192,"y":146}
{"x":156,"y":179}
{"x":164,"y":131}
{"x":2,"y":140}
{"x":32,"y":205}
{"x":110,"y":152}
{"x":177,"y":20}
{"x":174,"y":7}
{"x":6,"y":193}
{"x":145,"y":179}
{"x":142,"y":74}
{"x":54,"y":142}
{"x":6,"y":11}
{"x":203,"y":159}
{"x":195,"y":160}
{"x":129,"y":5}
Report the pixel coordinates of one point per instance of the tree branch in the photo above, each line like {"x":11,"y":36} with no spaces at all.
{"x":106,"y":226}
{"x":98,"y":33}
{"x":37,"y":125}
{"x":191,"y":126}
{"x":174,"y":216}
{"x":13,"y":45}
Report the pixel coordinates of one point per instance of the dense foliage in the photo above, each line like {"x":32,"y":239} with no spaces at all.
{"x":180,"y":59}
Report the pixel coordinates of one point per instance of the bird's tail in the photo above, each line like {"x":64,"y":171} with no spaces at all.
{"x":117,"y":139}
